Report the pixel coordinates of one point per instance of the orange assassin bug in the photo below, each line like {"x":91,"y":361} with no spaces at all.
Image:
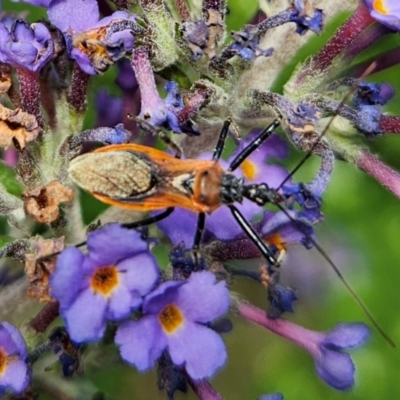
{"x":142,"y":178}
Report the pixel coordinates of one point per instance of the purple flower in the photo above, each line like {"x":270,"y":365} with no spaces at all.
{"x":369,"y":93}
{"x":42,"y":3}
{"x":14,"y":372}
{"x":174,"y":319}
{"x":271,"y":396}
{"x":221,"y":222}
{"x":387,"y":12}
{"x":94,"y":44}
{"x":115,"y":135}
{"x":108,"y":109}
{"x":26,"y":46}
{"x":106,"y":284}
{"x":307,"y":17}
{"x":154,"y":110}
{"x":246,"y":44}
{"x":332,"y":365}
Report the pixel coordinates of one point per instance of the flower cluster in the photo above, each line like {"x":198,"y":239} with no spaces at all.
{"x":160,"y":291}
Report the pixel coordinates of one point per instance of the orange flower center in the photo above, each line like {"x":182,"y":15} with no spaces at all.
{"x":3,"y":361}
{"x":249,"y":169}
{"x":379,"y":6}
{"x":105,"y":280}
{"x":170,"y":318}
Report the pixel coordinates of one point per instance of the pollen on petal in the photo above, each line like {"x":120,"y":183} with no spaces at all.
{"x":276,"y":240}
{"x":171,"y":318}
{"x":105,"y":280}
{"x":379,"y":6}
{"x":3,"y":361}
{"x":249,"y":169}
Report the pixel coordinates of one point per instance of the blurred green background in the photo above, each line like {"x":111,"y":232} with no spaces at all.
{"x":361,"y":233}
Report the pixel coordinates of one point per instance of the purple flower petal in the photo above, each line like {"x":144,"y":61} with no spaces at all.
{"x":177,"y":231}
{"x":387,"y":12}
{"x":141,"y":343}
{"x":121,"y":303}
{"x":345,"y":336}
{"x":113,"y":243}
{"x":141,"y":273}
{"x":165,"y":294}
{"x":11,"y":340}
{"x":25,"y":46}
{"x":335,"y":368}
{"x":68,"y":274}
{"x":75,"y":15}
{"x":15,"y":376}
{"x":198,"y":348}
{"x":85,"y":318}
{"x":271,"y":396}
{"x":214,"y":297}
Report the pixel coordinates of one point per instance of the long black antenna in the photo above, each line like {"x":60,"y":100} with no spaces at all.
{"x":341,"y":277}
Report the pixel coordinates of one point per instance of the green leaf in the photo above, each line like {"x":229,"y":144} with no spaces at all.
{"x":9,"y":180}
{"x":5,"y":239}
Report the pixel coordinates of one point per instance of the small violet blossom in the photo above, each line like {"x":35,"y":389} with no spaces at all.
{"x":42,"y":3}
{"x":307,"y":17}
{"x":94,"y":44}
{"x":106,"y":284}
{"x":14,"y":371}
{"x":332,"y":365}
{"x":271,"y":396}
{"x":26,"y":46}
{"x":154,"y":110}
{"x":387,"y":12}
{"x":174,"y":319}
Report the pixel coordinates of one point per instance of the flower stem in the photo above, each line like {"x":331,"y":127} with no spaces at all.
{"x":203,"y":389}
{"x":45,"y":317}
{"x":30,"y":93}
{"x":382,"y":173}
{"x":79,"y":85}
{"x":280,"y":326}
{"x":345,"y":35}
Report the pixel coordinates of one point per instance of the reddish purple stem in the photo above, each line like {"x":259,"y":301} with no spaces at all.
{"x":382,"y":173}
{"x":359,"y":21}
{"x":366,"y":38}
{"x":45,"y":317}
{"x":389,"y":124}
{"x":183,"y":10}
{"x":30,"y":93}
{"x":193,"y":105}
{"x":203,"y":389}
{"x":282,"y":327}
{"x":381,"y":62}
{"x":79,"y":85}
